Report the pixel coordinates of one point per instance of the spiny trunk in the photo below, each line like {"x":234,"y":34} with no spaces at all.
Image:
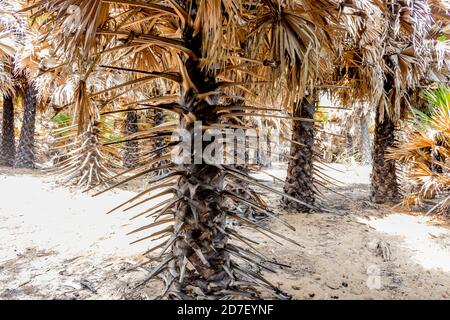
{"x":384,"y":179}
{"x":88,"y":169}
{"x":196,"y":256}
{"x":131,"y":148}
{"x":199,"y":221}
{"x":25,"y":150}
{"x":8,"y":146}
{"x":299,"y":180}
{"x":92,"y":170}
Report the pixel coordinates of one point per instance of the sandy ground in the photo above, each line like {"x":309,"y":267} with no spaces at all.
{"x":57,"y":243}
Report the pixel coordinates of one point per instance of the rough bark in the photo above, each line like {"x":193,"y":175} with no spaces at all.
{"x":86,"y":166}
{"x":131,"y":148}
{"x":198,"y":221}
{"x":25,"y":150}
{"x":384,"y":186}
{"x":8,"y":145}
{"x":196,"y":256}
{"x":300,"y":180}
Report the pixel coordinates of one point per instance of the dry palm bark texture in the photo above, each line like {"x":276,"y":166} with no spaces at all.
{"x":8,"y":143}
{"x":25,"y":150}
{"x":300,"y":174}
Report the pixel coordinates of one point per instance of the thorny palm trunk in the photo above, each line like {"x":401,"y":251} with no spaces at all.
{"x":8,"y":146}
{"x":384,"y":179}
{"x":199,"y":218}
{"x":25,"y":150}
{"x":299,"y":180}
{"x":92,"y":168}
{"x":130,"y":156}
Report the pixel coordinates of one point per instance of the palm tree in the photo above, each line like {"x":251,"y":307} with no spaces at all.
{"x":303,"y":178}
{"x":384,"y":186}
{"x":392,"y":57}
{"x":87,"y":163}
{"x":300,"y":174}
{"x":211,"y":54}
{"x":8,"y":142}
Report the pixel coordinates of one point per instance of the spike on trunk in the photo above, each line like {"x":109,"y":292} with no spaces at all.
{"x":200,"y":220}
{"x":90,"y":169}
{"x":299,"y":180}
{"x":25,"y":150}
{"x":384,"y":186}
{"x":131,"y":157}
{"x":8,"y":145}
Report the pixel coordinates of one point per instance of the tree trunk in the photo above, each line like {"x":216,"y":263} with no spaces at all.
{"x":8,"y":146}
{"x":197,"y":252}
{"x":25,"y":150}
{"x":131,"y":148}
{"x":384,"y":179}
{"x":199,"y":220}
{"x":299,"y":180}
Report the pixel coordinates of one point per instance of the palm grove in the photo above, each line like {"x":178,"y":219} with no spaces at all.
{"x":173,"y":63}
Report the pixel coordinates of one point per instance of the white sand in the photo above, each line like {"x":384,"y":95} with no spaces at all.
{"x":57,"y":243}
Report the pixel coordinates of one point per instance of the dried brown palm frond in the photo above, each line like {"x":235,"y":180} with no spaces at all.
{"x":6,"y":81}
{"x":8,"y":46}
{"x":425,"y":153}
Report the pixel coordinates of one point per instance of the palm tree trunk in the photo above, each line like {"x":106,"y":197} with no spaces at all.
{"x":8,"y":145}
{"x":384,"y":179}
{"x":25,"y":150}
{"x":130,"y":156}
{"x":299,"y":180}
{"x":199,"y":217}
